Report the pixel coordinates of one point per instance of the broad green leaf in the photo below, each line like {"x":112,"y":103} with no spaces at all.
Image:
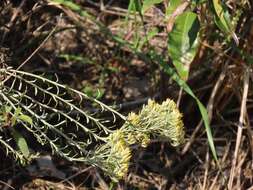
{"x":25,"y":118}
{"x":147,"y":4}
{"x":173,"y":4}
{"x":18,"y":115}
{"x":21,"y":143}
{"x":201,"y":107}
{"x":222,"y":19}
{"x":183,"y":42}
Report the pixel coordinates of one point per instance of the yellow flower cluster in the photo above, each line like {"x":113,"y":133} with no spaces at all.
{"x":121,"y":151}
{"x":135,"y":135}
{"x":162,"y":120}
{"x":119,"y":156}
{"x":157,"y":120}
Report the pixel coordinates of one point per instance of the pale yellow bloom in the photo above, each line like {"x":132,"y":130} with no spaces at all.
{"x":117,"y":162}
{"x":157,"y":120}
{"x":162,"y":120}
{"x":133,"y":118}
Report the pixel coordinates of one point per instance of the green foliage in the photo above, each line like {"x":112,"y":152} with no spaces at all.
{"x":73,"y":6}
{"x":173,"y":4}
{"x":144,"y":41}
{"x":76,"y":58}
{"x":9,"y":120}
{"x":50,"y":107}
{"x":183,"y":42}
{"x":95,"y":93}
{"x":201,"y":107}
{"x":222,"y":19}
{"x":135,"y":6}
{"x":56,"y":116}
{"x":18,"y":115}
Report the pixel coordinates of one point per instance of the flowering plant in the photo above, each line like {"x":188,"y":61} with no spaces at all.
{"x":55,"y":115}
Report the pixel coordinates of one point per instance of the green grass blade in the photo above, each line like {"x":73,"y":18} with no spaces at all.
{"x":201,"y":107}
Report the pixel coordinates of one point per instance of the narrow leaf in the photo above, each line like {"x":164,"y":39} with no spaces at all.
{"x":135,"y":5}
{"x":222,"y":19}
{"x":201,"y":107}
{"x":69,"y":4}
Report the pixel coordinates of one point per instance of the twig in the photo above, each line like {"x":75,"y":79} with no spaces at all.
{"x":7,"y":185}
{"x":240,"y":127}
{"x":243,"y":156}
{"x":13,"y":18}
{"x":77,"y":174}
{"x":131,"y":105}
{"x":225,"y":155}
{"x":250,"y":137}
{"x":101,"y":182}
{"x":206,"y":170}
{"x":179,"y":96}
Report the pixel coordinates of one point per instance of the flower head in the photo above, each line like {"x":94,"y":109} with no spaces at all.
{"x":118,"y":155}
{"x":162,"y":120}
{"x":158,"y":120}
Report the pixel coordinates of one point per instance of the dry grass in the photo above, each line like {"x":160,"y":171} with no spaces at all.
{"x":37,"y":33}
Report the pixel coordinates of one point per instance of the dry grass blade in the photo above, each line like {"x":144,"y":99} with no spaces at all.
{"x":240,"y":127}
{"x":104,"y":51}
{"x":7,"y":186}
{"x":215,"y":180}
{"x":207,"y":163}
{"x":33,"y":53}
